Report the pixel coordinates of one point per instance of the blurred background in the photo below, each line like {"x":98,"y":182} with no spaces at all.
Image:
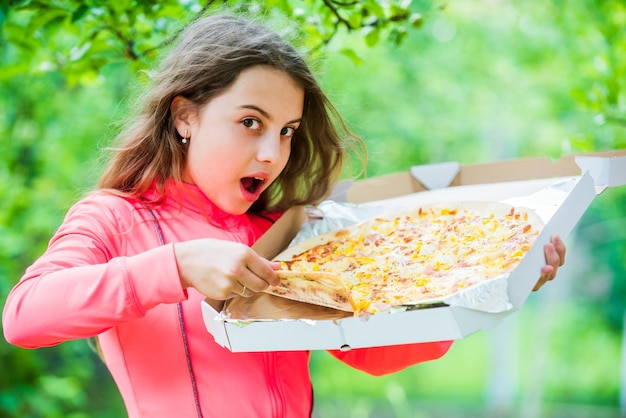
{"x":422,"y":82}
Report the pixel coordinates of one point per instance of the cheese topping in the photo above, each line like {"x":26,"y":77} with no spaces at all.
{"x":427,"y":254}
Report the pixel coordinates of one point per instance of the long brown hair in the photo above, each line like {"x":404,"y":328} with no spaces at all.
{"x":207,"y":59}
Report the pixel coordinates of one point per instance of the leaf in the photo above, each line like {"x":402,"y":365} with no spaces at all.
{"x":375,"y":8}
{"x":352,"y":55}
{"x":79,"y":13}
{"x":416,"y":20}
{"x":397,"y":35}
{"x":372,"y":35}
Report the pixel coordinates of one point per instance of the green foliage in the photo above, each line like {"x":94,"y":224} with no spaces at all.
{"x":47,"y":164}
{"x":420,"y":82}
{"x":486,"y":83}
{"x":576,"y":372}
{"x":79,"y":37}
{"x":602,"y":234}
{"x":579,"y":369}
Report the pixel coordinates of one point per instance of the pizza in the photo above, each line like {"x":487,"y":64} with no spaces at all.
{"x":409,"y":257}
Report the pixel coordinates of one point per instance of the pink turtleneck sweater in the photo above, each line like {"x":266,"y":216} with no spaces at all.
{"x":106,"y":274}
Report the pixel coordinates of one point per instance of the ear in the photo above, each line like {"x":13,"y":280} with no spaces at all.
{"x":183,"y":112}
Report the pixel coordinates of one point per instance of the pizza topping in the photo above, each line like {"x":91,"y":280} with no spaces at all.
{"x":420,"y":255}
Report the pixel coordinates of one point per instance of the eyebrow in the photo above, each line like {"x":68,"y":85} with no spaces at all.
{"x":267,"y":115}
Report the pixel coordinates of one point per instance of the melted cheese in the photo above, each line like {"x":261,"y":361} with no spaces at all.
{"x":408,"y":259}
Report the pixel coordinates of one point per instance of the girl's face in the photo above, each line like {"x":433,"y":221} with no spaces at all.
{"x":240,"y":141}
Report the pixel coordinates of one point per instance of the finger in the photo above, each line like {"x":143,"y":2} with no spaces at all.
{"x":547,"y":274}
{"x":264,"y":270}
{"x":252,"y":280}
{"x":560,"y":248}
{"x":246,"y":284}
{"x":245,"y":292}
{"x":555,"y":257}
{"x":552,"y":256}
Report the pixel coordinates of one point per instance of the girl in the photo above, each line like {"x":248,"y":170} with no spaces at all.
{"x":234,"y":131}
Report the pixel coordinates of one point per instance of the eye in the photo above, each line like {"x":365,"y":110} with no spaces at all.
{"x":288,"y":131}
{"x":251,"y":123}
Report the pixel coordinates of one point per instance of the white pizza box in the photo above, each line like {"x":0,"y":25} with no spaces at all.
{"x":559,"y":201}
{"x":450,"y":174}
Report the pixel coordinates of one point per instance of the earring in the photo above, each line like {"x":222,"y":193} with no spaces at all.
{"x":185,"y":138}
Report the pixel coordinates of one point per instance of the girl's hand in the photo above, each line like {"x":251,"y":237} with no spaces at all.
{"x":221,"y":270}
{"x":555,"y":258}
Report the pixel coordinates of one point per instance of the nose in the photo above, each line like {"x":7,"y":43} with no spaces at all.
{"x":269,"y":148}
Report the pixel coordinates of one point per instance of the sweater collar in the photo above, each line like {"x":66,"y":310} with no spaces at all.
{"x":183,"y":197}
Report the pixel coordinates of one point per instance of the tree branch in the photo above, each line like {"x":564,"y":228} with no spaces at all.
{"x":335,"y":11}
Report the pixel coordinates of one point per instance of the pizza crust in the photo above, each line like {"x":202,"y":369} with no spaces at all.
{"x":319,"y":288}
{"x":266,"y":306}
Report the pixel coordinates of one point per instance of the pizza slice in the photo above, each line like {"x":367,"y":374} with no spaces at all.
{"x":316,"y":287}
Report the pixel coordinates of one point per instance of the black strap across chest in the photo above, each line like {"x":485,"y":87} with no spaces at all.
{"x":181,"y":323}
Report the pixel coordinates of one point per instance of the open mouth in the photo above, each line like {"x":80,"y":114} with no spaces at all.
{"x":252,"y":184}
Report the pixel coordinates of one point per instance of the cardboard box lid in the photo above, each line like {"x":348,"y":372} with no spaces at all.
{"x":440,"y":175}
